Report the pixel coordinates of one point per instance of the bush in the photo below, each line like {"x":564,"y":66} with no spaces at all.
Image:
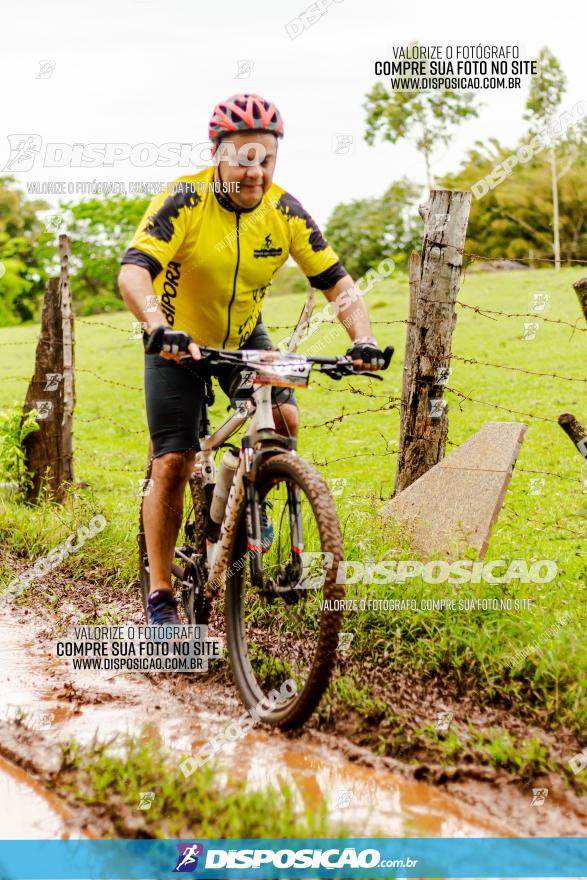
{"x":14,"y":429}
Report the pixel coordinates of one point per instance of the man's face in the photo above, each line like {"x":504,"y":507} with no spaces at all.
{"x":253,"y":180}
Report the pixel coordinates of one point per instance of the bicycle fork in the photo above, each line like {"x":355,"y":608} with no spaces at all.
{"x":294,"y":505}
{"x":255,"y":537}
{"x":252,"y":518}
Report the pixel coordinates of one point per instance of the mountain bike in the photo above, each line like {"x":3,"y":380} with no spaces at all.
{"x":281,"y":616}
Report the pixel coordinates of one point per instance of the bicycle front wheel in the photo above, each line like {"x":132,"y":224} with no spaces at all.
{"x":282,"y":632}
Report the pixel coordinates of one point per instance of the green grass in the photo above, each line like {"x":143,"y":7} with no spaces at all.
{"x":525,"y":757}
{"x":110,"y":779}
{"x":538,"y":521}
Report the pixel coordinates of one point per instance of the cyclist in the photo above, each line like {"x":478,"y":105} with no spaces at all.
{"x":196,"y":273}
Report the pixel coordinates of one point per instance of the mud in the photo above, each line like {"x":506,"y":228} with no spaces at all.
{"x":45,"y":704}
{"x":57,"y":705}
{"x":29,"y":811}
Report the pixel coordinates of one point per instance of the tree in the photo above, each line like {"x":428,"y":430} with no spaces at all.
{"x":427,"y":117}
{"x":514,"y":218}
{"x":363,"y":231}
{"x":101,"y":229}
{"x":22,"y":277}
{"x":546,"y":91}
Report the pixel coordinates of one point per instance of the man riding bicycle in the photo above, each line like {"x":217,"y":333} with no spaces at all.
{"x":196,"y":273}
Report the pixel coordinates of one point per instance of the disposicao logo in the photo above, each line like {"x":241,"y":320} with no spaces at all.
{"x":187,"y":860}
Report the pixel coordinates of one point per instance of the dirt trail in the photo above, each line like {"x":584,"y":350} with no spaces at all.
{"x":44,"y":703}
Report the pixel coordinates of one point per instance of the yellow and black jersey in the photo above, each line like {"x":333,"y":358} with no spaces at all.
{"x":212,"y":263}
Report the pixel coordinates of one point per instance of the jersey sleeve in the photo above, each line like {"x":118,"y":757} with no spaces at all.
{"x":162,"y":229}
{"x":308,"y":247}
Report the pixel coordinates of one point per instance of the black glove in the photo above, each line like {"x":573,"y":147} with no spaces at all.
{"x":368,"y":351}
{"x":166,"y":339}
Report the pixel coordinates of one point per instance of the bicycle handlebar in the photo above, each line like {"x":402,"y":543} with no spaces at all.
{"x":335,"y":366}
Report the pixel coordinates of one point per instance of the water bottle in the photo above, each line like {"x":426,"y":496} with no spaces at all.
{"x":224,"y":478}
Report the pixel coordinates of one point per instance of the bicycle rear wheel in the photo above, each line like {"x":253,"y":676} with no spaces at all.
{"x":281,"y":631}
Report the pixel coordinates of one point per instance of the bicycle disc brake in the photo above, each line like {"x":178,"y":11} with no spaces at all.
{"x":195,"y":604}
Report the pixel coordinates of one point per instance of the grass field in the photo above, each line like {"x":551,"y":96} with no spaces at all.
{"x":544,"y":516}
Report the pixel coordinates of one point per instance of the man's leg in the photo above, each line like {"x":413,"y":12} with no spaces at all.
{"x":174,"y":395}
{"x":286,"y":418}
{"x":162,"y":513}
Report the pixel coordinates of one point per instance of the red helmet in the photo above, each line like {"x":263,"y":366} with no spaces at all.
{"x":244,"y":113}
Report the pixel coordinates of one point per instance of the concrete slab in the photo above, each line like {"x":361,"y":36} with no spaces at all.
{"x":456,"y":503}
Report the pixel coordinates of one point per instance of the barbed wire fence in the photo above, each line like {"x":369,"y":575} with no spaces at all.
{"x":373,"y":399}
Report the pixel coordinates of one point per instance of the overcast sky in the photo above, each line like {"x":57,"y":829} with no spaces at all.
{"x":136,"y":71}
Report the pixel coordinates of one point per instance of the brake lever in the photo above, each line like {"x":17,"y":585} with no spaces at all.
{"x":370,"y":373}
{"x":206,"y":360}
{"x":351,"y":371}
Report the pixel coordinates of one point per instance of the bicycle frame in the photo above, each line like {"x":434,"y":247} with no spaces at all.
{"x":260,"y":410}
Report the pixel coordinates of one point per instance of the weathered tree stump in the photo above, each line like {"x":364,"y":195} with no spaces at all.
{"x":434,"y":282}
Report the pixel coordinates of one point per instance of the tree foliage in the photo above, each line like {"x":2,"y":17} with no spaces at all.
{"x":22,"y":275}
{"x":546,"y":90}
{"x":514,"y":219}
{"x":427,"y":117}
{"x":364,"y":231}
{"x":101,"y":229}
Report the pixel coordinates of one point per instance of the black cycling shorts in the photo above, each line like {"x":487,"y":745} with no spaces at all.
{"x":174,"y":394}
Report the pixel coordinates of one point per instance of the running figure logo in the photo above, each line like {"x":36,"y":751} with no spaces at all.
{"x":539,"y":795}
{"x":23,"y":151}
{"x":187,"y":861}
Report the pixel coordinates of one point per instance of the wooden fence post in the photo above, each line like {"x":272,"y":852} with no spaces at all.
{"x":48,"y":451}
{"x":68,"y":357}
{"x":414,"y":269}
{"x":434,"y":282}
{"x":581,"y":291}
{"x":575,"y":431}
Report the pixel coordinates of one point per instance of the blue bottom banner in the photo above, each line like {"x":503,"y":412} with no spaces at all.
{"x":305,"y":858}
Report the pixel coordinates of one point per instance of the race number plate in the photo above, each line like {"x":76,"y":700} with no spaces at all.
{"x":284,"y":373}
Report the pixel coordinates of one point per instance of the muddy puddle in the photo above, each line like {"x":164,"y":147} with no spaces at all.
{"x":39,"y":692}
{"x":365,"y":801}
{"x":28,"y":810}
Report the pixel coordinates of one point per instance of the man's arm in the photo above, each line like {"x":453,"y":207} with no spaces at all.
{"x":352,"y":313}
{"x":136,"y":288}
{"x":325,"y":272}
{"x":350,"y":308}
{"x":157,"y":239}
